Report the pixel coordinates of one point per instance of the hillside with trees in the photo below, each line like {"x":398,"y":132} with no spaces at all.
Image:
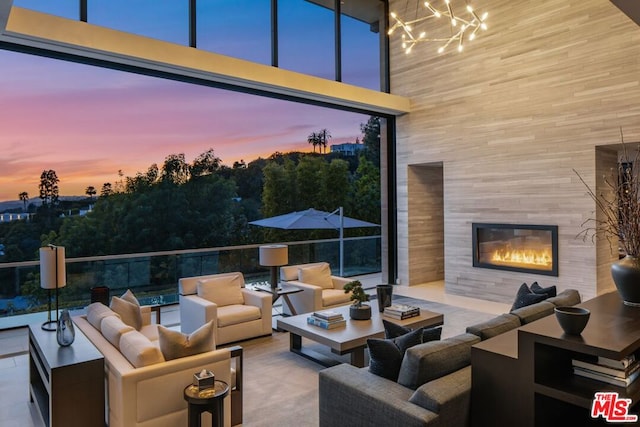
{"x":202,"y":203}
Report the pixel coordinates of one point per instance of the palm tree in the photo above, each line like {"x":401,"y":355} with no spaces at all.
{"x":323,"y":136}
{"x":314,"y":138}
{"x":24,"y":197}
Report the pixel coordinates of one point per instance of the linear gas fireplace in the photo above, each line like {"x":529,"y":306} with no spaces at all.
{"x":516,"y":247}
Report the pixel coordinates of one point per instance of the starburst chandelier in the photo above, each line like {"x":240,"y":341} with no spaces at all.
{"x":461,"y":29}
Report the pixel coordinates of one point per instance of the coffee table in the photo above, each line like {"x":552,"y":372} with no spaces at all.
{"x":350,"y":339}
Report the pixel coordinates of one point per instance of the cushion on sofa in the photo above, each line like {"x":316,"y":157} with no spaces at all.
{"x":525,"y":297}
{"x":235,"y":314}
{"x":334,"y":297}
{"x":318,"y":275}
{"x":565,"y":298}
{"x":433,"y":395}
{"x":534,"y":312}
{"x":425,"y":362}
{"x":138,"y":350}
{"x":98,"y":311}
{"x":496,"y":326}
{"x":548,"y":291}
{"x":128,"y":312}
{"x":112,"y":328}
{"x":385,"y":355}
{"x":392,"y":330}
{"x":174,"y":344}
{"x":223,"y":290}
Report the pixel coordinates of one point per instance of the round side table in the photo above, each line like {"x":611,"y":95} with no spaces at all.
{"x":206,"y":400}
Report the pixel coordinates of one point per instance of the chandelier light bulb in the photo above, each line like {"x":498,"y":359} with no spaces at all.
{"x":462,"y":23}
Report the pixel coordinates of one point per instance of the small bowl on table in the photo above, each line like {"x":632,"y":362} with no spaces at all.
{"x":572,"y":320}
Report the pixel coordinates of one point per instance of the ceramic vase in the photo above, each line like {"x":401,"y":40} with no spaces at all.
{"x":384,"y":294}
{"x":65,"y":333}
{"x":626,"y":276}
{"x":362,"y":312}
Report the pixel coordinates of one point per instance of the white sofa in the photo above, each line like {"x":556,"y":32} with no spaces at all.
{"x":248,"y":318}
{"x":152,"y":395}
{"x":326,"y":291}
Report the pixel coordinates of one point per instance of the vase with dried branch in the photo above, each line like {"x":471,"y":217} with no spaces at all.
{"x":618,"y":220}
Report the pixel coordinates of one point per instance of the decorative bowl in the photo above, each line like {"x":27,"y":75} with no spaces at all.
{"x":572,"y":320}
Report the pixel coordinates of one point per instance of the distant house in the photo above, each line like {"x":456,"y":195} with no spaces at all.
{"x":6,"y":217}
{"x":350,"y":149}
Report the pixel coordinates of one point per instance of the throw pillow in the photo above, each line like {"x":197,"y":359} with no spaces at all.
{"x":129,"y":296}
{"x":525,"y":297}
{"x":318,"y":275}
{"x":385,"y":355}
{"x":174,"y":344}
{"x":392,"y":330}
{"x":549,"y":292}
{"x":222,"y":290}
{"x":128,"y":312}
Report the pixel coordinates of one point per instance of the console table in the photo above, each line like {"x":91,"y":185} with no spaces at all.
{"x":555,"y":396}
{"x":66,"y":384}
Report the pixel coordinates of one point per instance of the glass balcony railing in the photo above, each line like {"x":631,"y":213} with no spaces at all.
{"x":153,"y":277}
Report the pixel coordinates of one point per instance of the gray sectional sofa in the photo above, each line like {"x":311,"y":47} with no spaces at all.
{"x":434,"y":385}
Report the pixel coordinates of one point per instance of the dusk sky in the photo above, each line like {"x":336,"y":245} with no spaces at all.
{"x":86,"y":123}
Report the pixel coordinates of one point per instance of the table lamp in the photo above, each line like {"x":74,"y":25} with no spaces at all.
{"x":274,"y":256}
{"x":53,"y":275}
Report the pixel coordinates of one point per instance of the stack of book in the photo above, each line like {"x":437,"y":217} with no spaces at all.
{"x":401,"y":311}
{"x":326,"y":319}
{"x":617,"y":372}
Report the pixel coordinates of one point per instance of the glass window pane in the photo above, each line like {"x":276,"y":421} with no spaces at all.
{"x":65,"y":8}
{"x":306,"y":38}
{"x":240,"y":28}
{"x":360,"y":53}
{"x":143,"y":17}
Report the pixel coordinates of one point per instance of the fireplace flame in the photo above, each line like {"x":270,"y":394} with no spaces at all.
{"x":522,"y":257}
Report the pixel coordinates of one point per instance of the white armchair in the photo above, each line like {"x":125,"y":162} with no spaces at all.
{"x":320,"y":290}
{"x":237,"y":313}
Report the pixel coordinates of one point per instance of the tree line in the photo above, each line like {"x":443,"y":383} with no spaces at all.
{"x":202,"y":203}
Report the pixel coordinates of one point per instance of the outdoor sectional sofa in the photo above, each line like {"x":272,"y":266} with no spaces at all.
{"x":434,"y":385}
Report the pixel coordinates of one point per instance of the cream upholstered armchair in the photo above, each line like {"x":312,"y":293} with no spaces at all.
{"x":237,"y":313}
{"x":320,"y":290}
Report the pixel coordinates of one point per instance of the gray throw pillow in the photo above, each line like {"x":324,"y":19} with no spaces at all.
{"x":385,"y":355}
{"x":525,"y":297}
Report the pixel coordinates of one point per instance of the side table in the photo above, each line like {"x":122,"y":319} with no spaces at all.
{"x":281,"y":291}
{"x":206,"y":400}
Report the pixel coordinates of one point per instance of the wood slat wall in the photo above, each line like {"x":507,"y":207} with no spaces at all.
{"x":527,"y":101}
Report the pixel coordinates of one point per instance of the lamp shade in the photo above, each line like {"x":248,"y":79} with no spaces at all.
{"x":274,"y":255}
{"x":53,"y":272}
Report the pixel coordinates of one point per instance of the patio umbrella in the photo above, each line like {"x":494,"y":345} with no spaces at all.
{"x":312,"y":219}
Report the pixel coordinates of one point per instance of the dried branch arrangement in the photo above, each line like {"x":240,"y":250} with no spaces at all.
{"x":619,"y":204}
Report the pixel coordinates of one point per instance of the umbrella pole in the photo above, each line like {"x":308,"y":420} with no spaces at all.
{"x":341,"y":242}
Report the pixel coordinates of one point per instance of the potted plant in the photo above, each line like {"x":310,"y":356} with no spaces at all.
{"x":618,"y":220}
{"x":358,"y":310}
